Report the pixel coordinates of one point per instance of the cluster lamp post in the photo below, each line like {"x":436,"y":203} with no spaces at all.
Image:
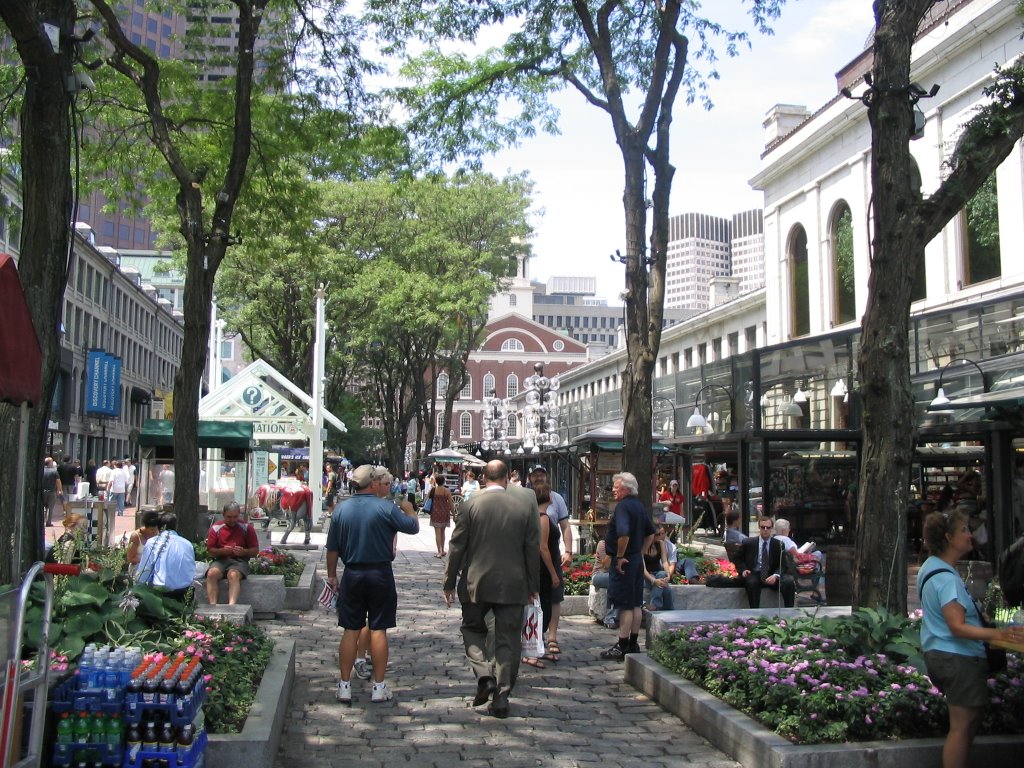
{"x":540,"y":416}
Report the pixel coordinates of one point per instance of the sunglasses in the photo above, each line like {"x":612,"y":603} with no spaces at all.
{"x":765,"y":527}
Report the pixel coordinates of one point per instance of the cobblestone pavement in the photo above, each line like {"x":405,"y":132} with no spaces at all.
{"x":577,"y":712}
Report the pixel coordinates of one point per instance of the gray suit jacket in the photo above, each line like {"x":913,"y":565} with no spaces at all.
{"x":495,"y":547}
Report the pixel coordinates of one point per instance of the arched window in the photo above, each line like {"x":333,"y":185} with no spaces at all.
{"x":799,"y":289}
{"x":439,"y":430}
{"x":511,"y":385}
{"x":511,"y":299}
{"x":442,"y":385}
{"x":466,"y":425}
{"x":511,"y":430}
{"x":467,"y":390}
{"x":488,"y":384}
{"x":981,"y":234}
{"x":512,"y":345}
{"x":844,"y":306}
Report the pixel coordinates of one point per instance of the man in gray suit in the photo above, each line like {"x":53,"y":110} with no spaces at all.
{"x":494,"y":555}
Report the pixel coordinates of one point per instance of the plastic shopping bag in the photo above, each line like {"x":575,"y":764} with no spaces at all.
{"x":533,"y":629}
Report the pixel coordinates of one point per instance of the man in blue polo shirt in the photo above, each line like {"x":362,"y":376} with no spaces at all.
{"x":362,"y":536}
{"x":630,"y":533}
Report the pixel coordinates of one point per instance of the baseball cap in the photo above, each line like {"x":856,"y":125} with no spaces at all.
{"x":365,"y":474}
{"x":538,"y":468}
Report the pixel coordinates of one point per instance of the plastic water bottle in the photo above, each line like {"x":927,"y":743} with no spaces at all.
{"x":1017,"y":620}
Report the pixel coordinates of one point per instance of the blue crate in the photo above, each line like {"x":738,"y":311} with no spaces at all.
{"x":69,"y":754}
{"x":192,"y":758}
{"x":179,"y":710}
{"x":69,"y":696}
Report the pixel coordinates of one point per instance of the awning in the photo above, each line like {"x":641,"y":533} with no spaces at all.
{"x":141,"y":395}
{"x":21,"y":360}
{"x":212,"y":434}
{"x":1005,"y":398}
{"x":615,"y":445}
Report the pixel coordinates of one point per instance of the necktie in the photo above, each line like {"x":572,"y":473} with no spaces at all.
{"x":764,"y":559}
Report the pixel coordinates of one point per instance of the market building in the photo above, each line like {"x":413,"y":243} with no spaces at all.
{"x":768,"y":402}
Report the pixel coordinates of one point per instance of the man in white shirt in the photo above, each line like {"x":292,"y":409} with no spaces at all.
{"x":129,"y":467}
{"x":117,"y":486}
{"x":103,"y":476}
{"x":167,"y":485}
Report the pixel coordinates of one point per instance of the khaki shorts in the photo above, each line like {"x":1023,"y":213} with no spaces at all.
{"x":963,"y":680}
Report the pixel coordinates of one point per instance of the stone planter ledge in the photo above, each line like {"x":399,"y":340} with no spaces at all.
{"x":751,"y":744}
{"x":256,"y":746}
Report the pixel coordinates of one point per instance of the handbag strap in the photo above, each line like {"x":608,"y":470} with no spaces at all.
{"x":920,"y":591}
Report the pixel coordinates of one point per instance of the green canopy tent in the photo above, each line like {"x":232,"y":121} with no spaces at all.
{"x":159,"y":433}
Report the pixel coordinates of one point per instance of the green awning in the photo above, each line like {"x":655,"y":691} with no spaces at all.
{"x":616,"y":445}
{"x":212,"y":434}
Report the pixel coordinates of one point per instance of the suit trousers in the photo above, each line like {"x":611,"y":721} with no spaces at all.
{"x":785,"y":586}
{"x":492,"y":634}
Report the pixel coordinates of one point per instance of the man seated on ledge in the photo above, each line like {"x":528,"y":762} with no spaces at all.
{"x":168,"y":560}
{"x":230,"y":543}
{"x":762,"y":564}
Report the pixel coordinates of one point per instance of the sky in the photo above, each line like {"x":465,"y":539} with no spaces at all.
{"x":578,"y":174}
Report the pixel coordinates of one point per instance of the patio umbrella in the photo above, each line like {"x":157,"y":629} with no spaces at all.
{"x":448,"y":454}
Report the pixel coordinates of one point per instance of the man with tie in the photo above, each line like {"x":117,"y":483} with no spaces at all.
{"x":762,"y":566}
{"x":492,"y":557}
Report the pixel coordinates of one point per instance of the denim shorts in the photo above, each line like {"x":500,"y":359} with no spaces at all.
{"x":963,"y":680}
{"x":626,"y":589}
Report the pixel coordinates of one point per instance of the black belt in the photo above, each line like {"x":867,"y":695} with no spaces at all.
{"x":366,"y":566}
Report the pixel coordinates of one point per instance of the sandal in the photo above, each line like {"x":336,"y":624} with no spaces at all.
{"x":553,"y":647}
{"x":550,"y":657}
{"x":532,"y":662}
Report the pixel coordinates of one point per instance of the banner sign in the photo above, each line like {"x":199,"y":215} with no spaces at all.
{"x":103,"y":383}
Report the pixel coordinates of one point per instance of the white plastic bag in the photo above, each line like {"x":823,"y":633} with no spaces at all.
{"x":533,"y":629}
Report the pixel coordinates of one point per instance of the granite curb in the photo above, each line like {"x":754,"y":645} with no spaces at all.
{"x":256,"y":745}
{"x":752,"y":745}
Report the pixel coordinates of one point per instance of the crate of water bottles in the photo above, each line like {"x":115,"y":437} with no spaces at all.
{"x":157,"y":743}
{"x":99,"y":683}
{"x":168,"y":688}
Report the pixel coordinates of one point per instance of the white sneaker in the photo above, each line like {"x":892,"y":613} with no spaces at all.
{"x":361,"y":669}
{"x":344,"y":692}
{"x":381,"y":692}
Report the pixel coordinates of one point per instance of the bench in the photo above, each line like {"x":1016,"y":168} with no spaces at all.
{"x":236,"y":614}
{"x":265,"y":595}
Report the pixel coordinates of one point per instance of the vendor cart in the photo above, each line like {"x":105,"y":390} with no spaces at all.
{"x":24,"y":691}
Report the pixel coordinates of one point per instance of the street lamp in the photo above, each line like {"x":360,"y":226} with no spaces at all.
{"x":697,"y":421}
{"x":540,"y":415}
{"x":495,"y":424}
{"x":941,"y":400}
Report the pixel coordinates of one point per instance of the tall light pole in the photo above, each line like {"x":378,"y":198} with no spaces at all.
{"x":540,"y":415}
{"x":316,"y":437}
{"x":495,"y":424}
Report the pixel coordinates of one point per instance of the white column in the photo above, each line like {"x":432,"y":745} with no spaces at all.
{"x":316,"y":438}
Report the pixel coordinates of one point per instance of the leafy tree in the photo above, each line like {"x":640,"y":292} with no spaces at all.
{"x":628,"y":58}
{"x":205,"y":138}
{"x":904,"y":221}
{"x":47,"y":113}
{"x":426,"y":255}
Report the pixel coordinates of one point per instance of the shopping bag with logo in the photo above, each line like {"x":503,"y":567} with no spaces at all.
{"x":533,"y":629}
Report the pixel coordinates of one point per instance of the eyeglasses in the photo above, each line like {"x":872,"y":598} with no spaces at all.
{"x":765,"y":527}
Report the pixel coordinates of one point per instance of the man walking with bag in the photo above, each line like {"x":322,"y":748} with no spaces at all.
{"x":492,"y":555}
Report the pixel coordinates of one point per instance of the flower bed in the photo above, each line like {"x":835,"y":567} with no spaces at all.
{"x":578,"y":574}
{"x":815,"y":681}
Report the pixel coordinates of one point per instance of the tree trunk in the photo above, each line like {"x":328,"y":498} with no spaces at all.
{"x":44,"y":248}
{"x":889,"y":426}
{"x":637,"y":378}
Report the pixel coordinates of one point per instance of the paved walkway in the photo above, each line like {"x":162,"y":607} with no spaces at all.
{"x":577,"y":712}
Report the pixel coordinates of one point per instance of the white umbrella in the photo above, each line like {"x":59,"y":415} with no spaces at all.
{"x":447,"y":454}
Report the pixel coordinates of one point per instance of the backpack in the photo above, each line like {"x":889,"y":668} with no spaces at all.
{"x":1011,"y":572}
